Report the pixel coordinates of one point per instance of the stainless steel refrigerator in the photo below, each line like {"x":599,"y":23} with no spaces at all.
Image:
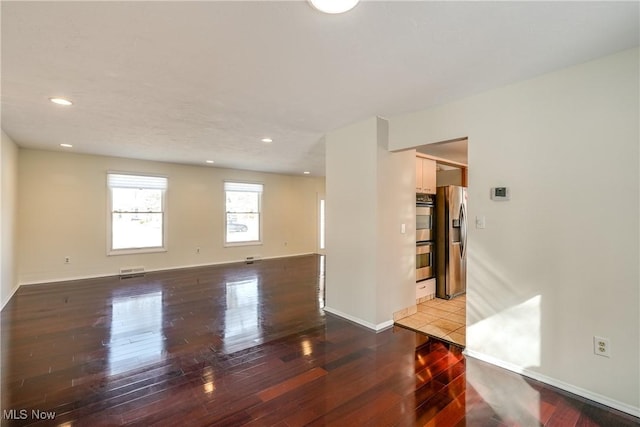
{"x":451,"y":241}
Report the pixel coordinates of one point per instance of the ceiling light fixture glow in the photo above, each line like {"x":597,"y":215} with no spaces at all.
{"x":334,"y":6}
{"x":266,"y":140}
{"x":61,"y":101}
{"x":306,"y":172}
{"x":210,"y":162}
{"x":66,"y":145}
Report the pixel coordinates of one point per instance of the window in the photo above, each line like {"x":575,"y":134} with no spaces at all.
{"x":137,"y":213}
{"x":242,"y":207}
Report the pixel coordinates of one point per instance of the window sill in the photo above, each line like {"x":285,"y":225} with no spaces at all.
{"x":135,"y":251}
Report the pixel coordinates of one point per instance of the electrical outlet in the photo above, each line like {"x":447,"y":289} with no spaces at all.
{"x":67,"y":260}
{"x":602,"y":346}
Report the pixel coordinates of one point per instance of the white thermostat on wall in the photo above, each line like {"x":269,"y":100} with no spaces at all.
{"x":500,"y":194}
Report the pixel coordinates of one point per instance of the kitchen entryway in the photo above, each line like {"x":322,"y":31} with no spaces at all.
{"x":440,"y":318}
{"x":441,"y":241}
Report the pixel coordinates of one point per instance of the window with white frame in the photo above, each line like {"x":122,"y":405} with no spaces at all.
{"x":137,"y":212}
{"x":243,"y":219}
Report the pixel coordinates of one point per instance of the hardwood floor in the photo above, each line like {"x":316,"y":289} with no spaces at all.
{"x":246,"y":344}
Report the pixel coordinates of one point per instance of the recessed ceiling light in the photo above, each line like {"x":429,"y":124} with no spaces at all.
{"x":210,"y":161}
{"x":61,"y":101}
{"x":266,"y":140}
{"x":66,"y":145}
{"x":334,"y":6}
{"x":306,"y":172}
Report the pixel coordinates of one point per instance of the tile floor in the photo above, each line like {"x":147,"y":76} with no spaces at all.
{"x":440,"y":318}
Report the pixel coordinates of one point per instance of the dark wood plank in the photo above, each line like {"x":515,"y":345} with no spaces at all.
{"x":291,"y":384}
{"x":245,"y":344}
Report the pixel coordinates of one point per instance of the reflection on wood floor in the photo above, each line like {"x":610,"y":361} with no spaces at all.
{"x":246,"y":344}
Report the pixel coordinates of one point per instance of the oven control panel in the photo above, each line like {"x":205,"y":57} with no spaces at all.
{"x":425,"y":199}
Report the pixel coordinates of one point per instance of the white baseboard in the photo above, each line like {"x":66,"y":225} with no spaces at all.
{"x":377,"y":328}
{"x":11,"y":294}
{"x":620,"y":406}
{"x":68,"y":279}
{"x":153,"y":270}
{"x":384,"y":325}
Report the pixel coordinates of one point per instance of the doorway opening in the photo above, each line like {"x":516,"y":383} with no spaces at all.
{"x":439,"y":313}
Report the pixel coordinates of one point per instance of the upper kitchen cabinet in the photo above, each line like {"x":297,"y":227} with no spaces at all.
{"x":425,"y":175}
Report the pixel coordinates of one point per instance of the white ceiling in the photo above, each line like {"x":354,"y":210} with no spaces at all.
{"x":451,"y":150}
{"x":190,"y":81}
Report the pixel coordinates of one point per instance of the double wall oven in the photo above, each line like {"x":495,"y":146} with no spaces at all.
{"x":425,"y":244}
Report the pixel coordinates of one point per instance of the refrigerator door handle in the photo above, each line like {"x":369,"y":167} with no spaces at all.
{"x":463,"y":232}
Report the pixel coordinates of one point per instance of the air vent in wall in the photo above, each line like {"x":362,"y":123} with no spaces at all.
{"x":126,"y":272}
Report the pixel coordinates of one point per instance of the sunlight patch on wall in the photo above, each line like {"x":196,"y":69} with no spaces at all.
{"x":512,"y":335}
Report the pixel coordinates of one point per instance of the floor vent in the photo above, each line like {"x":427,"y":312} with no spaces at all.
{"x":126,"y":272}
{"x":251,"y":259}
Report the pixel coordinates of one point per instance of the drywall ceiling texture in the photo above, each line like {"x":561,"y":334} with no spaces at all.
{"x":558,"y":263}
{"x":451,"y":150}
{"x":189,"y":81}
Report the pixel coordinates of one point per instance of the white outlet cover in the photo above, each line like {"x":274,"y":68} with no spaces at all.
{"x":602,"y":346}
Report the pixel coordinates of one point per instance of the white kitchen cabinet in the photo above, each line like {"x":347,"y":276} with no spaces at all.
{"x":425,"y":175}
{"x":425,"y":288}
{"x":418,"y":175}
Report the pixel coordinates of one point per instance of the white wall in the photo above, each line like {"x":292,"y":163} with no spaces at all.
{"x":366,"y":278}
{"x":558,"y":263}
{"x":63,"y":212}
{"x":350,"y":213}
{"x":396,"y":205}
{"x":8,"y":218}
